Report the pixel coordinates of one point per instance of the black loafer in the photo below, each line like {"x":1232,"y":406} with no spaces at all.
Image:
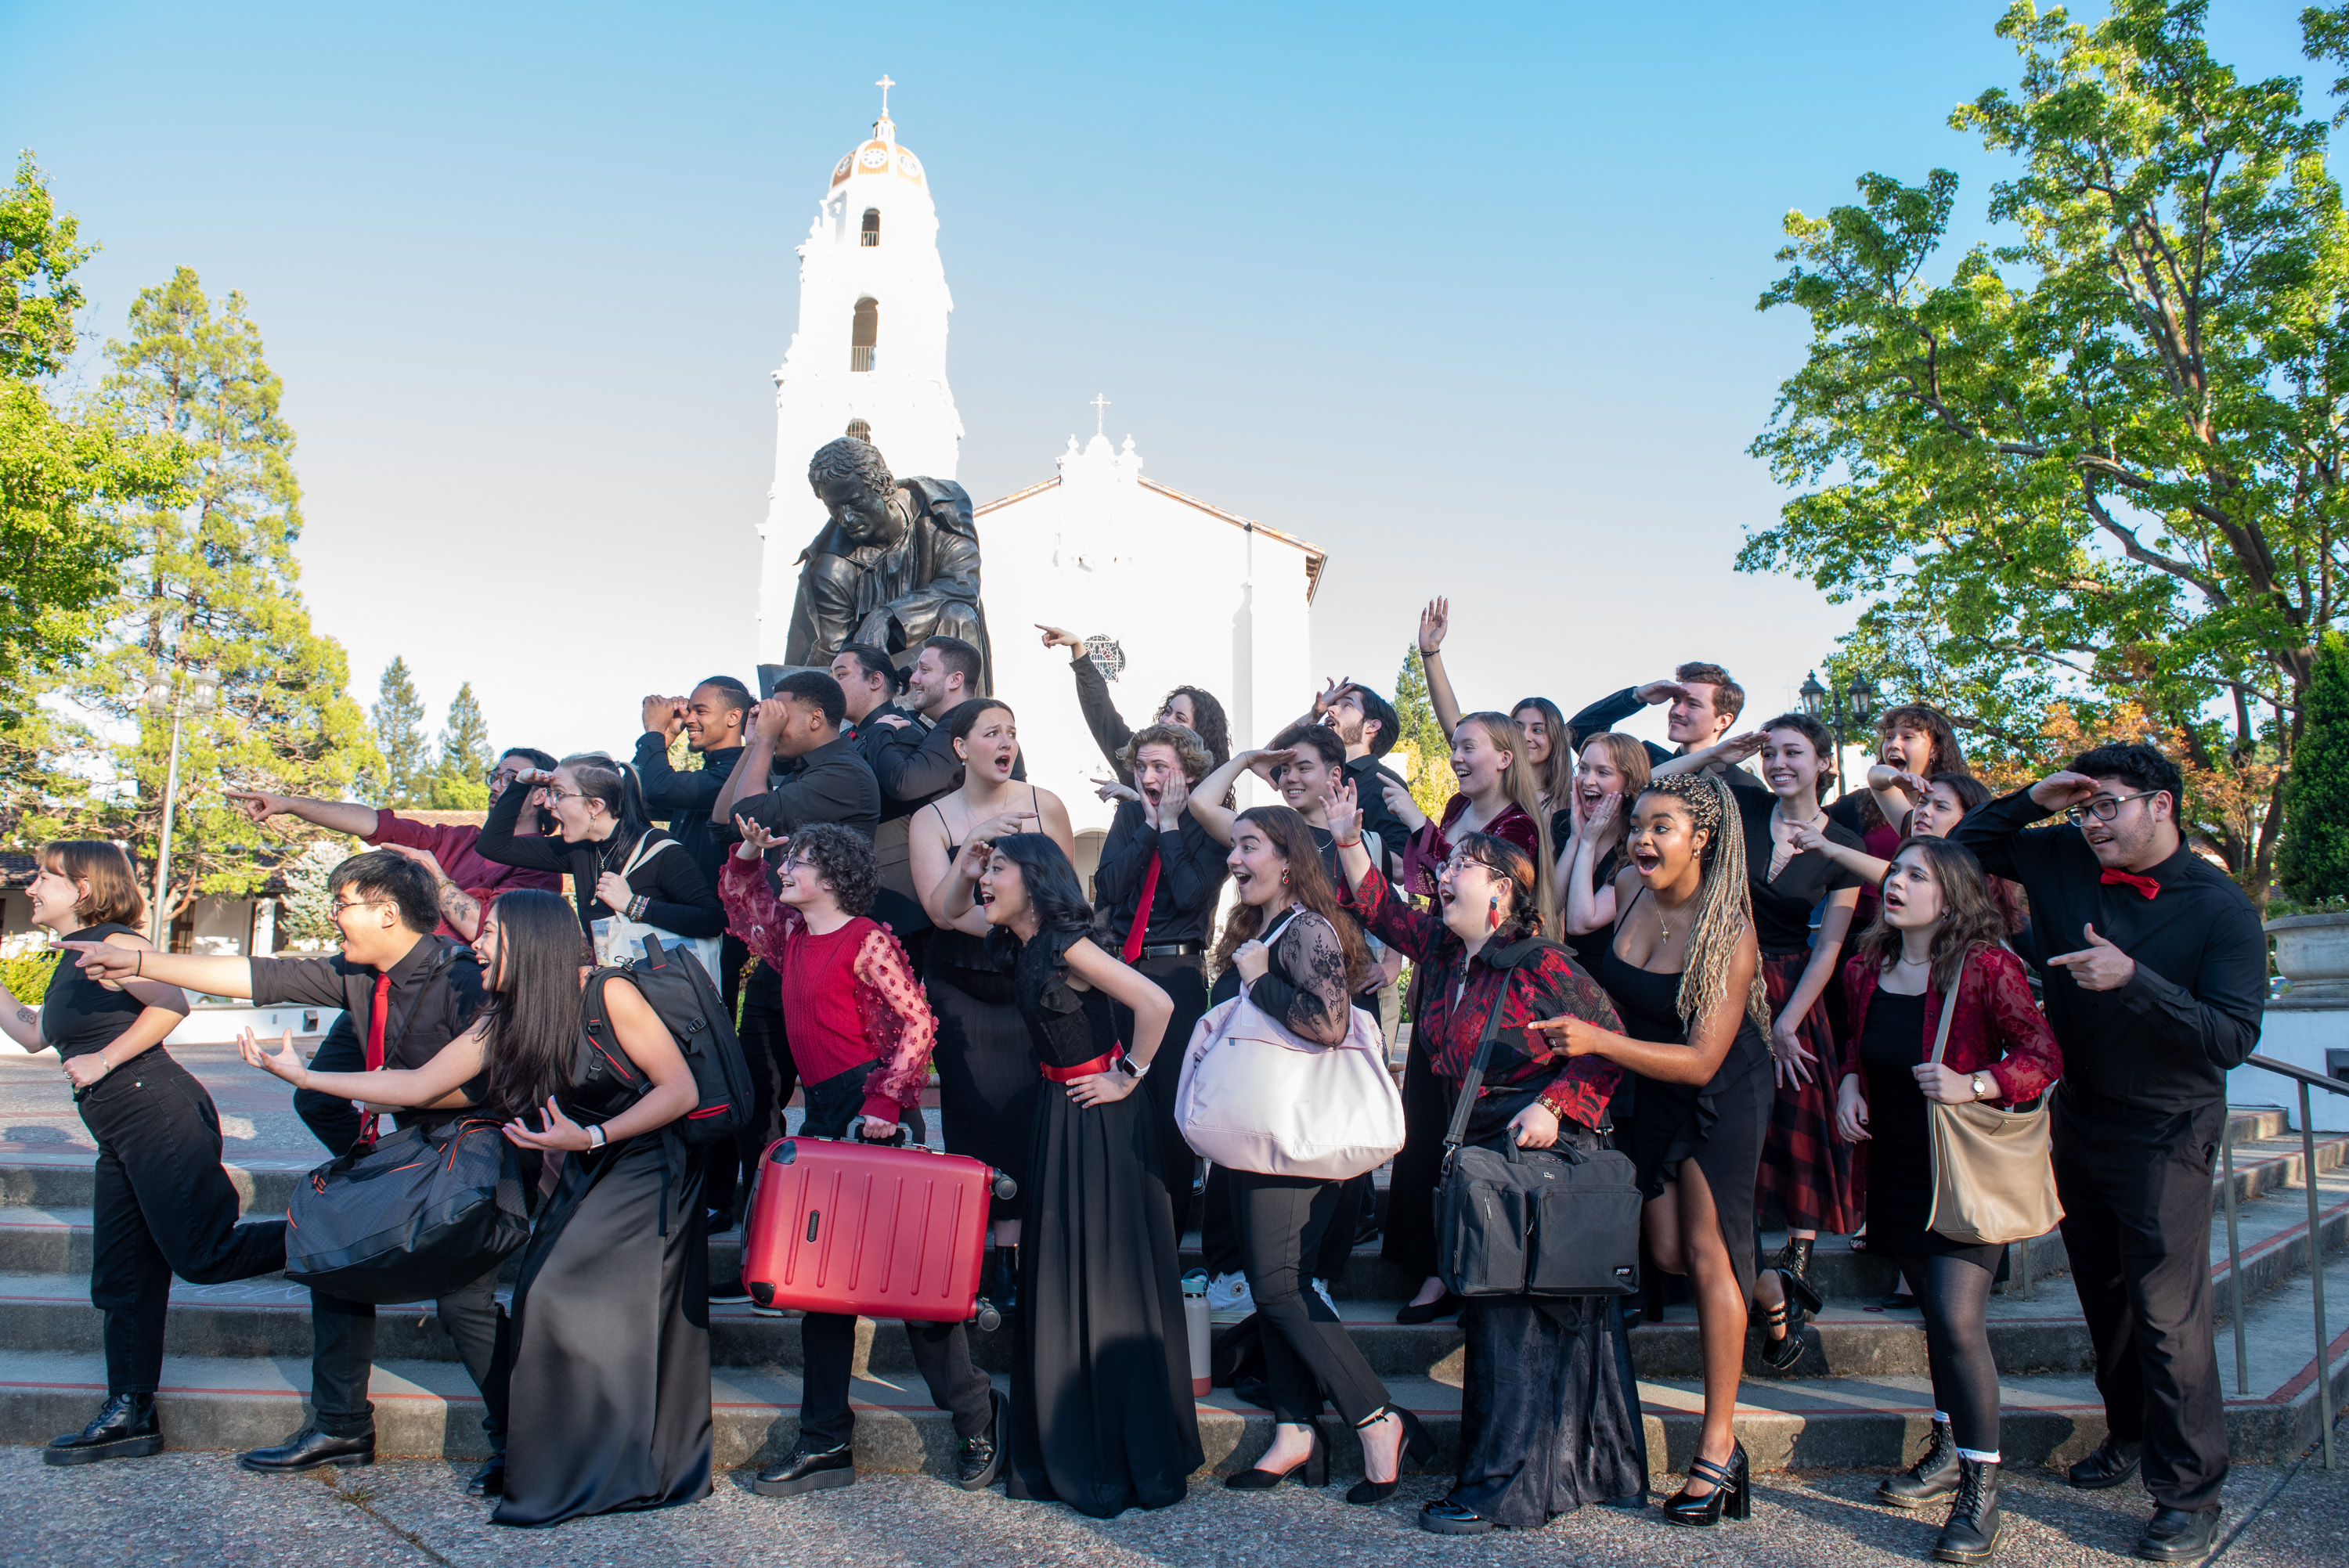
{"x":803,"y":1470}
{"x":1446,"y":1517}
{"x":2174,"y":1535}
{"x":307,"y":1449}
{"x":124,"y":1429}
{"x":1445,"y":1305}
{"x":490,"y":1480}
{"x":981,"y":1460}
{"x":2110,"y":1465}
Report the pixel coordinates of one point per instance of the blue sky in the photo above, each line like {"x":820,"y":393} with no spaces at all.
{"x":1466,"y":296}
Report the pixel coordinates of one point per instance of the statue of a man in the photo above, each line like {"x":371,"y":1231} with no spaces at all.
{"x":897,"y":562}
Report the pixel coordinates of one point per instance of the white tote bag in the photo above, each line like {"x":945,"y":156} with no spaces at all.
{"x":619,"y":940}
{"x":1254,"y":1097}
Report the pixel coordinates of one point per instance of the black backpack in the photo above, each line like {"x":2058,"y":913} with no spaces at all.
{"x":673,"y":981}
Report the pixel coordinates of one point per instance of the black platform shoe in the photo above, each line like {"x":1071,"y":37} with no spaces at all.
{"x":1971,"y":1535}
{"x":307,"y":1449}
{"x":2111,"y":1464}
{"x":124,"y":1429}
{"x":1781,"y":1353}
{"x":980,"y":1459}
{"x":1931,"y":1479}
{"x":807,"y":1469}
{"x":1416,"y":1444}
{"x":1312,"y":1470}
{"x":2174,"y":1535}
{"x":1793,"y":1262}
{"x":1731,"y":1493}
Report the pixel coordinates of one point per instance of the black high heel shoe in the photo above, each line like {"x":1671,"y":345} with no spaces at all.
{"x":1792,"y":1263}
{"x":1731,"y":1493}
{"x":1416,"y":1443}
{"x":1314,"y":1470}
{"x":1781,"y":1353}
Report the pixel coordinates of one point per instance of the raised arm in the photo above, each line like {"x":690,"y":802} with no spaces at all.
{"x":1729,"y":751}
{"x":1207,"y":796}
{"x":1588,"y":908}
{"x":454,"y":1067}
{"x":1110,"y":730}
{"x":1859,"y":863}
{"x":1433,"y":623}
{"x":341,"y":816}
{"x":118,"y":963}
{"x":498,"y":840}
{"x":765,"y":924}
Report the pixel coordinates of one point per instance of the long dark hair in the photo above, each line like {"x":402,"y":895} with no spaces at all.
{"x":531,"y":1027}
{"x":1053,"y":891}
{"x":1553,"y":780}
{"x":614,"y":783}
{"x":1309,"y":885}
{"x":1971,"y":917}
{"x":1212,"y":728}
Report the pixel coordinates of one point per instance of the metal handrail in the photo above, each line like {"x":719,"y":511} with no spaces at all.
{"x":2306,"y":1080}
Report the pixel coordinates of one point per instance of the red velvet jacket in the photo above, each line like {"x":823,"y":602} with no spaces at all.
{"x":1997,"y":1030}
{"x":1430,"y":847}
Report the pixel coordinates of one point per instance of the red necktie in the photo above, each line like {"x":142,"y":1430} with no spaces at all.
{"x":1133,"y":948}
{"x":375,"y":1021}
{"x":2144,"y":885}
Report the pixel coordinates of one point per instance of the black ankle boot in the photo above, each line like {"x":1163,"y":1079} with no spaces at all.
{"x":1931,"y":1479}
{"x":124,"y":1429}
{"x":1794,"y":1261}
{"x":1971,"y":1535}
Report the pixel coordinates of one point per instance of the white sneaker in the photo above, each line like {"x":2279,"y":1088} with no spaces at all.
{"x":1321,"y":1289}
{"x":1228,"y":1299}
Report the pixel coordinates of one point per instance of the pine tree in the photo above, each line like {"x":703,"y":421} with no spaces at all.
{"x":457,"y":784}
{"x":398,"y":719}
{"x":1432,"y":782}
{"x":2314,"y":863}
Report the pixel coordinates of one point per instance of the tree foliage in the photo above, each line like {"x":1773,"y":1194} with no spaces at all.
{"x":465,"y":755}
{"x":2315,"y":864}
{"x":1421,"y":738}
{"x":2101,"y":465}
{"x":398,"y":716}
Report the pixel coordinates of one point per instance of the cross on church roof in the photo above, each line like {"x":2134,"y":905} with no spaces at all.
{"x":885,"y":84}
{"x":1100,"y":412}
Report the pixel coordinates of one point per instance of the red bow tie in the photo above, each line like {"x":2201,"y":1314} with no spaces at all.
{"x":2144,"y":885}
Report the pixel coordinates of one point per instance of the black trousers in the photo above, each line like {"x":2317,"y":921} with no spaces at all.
{"x":334,"y":1123}
{"x":1282,"y":1223}
{"x":1410,"y":1243}
{"x":162,"y":1206}
{"x":1183,"y":978}
{"x":342,"y":1355}
{"x":772,"y":1079}
{"x":2136,"y":1188}
{"x":827,"y":1339}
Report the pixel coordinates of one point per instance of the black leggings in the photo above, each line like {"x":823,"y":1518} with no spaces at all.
{"x":1954,"y":1293}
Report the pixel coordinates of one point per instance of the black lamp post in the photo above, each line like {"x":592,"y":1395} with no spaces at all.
{"x":1861,"y":695}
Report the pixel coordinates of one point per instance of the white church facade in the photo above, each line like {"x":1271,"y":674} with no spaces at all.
{"x":1179,"y":591}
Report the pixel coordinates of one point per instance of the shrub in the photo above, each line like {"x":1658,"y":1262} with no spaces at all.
{"x":2314,"y":863}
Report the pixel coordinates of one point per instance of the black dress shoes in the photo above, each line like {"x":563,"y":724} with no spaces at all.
{"x":124,"y":1429}
{"x":808,"y":1470}
{"x":2111,"y":1464}
{"x":307,"y":1449}
{"x":980,"y":1459}
{"x":490,"y":1480}
{"x":2174,"y":1535}
{"x":1445,"y":1305}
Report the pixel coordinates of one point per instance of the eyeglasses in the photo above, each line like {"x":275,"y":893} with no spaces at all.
{"x":336,"y":909}
{"x":2103,"y":808}
{"x":496,"y":776}
{"x":556,"y":792}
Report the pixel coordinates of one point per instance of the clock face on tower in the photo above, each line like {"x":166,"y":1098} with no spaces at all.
{"x":873,"y":158}
{"x":907,"y":166}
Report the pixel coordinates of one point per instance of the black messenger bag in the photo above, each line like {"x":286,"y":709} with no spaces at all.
{"x":1532,"y":1222}
{"x":411,"y":1218}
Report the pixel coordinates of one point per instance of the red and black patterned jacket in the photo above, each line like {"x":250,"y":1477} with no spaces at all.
{"x":1549,"y":986}
{"x":1997,"y":1030}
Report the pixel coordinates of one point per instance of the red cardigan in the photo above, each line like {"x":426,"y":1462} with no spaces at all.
{"x":1997,"y":1031}
{"x":1430,"y":847}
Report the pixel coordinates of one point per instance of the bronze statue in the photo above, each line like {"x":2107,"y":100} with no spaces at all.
{"x":897,"y":562}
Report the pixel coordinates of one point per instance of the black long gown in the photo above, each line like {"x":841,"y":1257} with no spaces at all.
{"x":608,"y":1401}
{"x":988,"y":1087}
{"x":1102,"y":1417}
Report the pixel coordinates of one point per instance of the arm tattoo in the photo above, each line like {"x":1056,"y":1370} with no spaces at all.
{"x":28,"y":1014}
{"x":460,"y":909}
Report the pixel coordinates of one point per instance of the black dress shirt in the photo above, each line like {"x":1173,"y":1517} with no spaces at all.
{"x":1191,"y":870}
{"x":682,"y":800}
{"x":918,"y":764}
{"x":2162,"y":1043}
{"x":436,"y":992}
{"x":1370,"y":778}
{"x":1616,"y":707}
{"x":679,"y":899}
{"x":833,"y":783}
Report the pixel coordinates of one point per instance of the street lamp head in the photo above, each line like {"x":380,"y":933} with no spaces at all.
{"x":1814,"y":695}
{"x":1863,"y":698}
{"x":203,"y":689}
{"x":157,"y":698}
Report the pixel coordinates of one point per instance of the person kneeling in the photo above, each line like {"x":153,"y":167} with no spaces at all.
{"x":861,"y":1034}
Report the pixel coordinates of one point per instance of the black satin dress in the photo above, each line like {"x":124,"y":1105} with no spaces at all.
{"x":1719,"y":1124}
{"x":988,"y":1087}
{"x":609,"y":1393}
{"x":1101,"y":1413}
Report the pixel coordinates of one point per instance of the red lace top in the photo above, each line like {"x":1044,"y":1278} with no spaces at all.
{"x":840,"y":1010}
{"x":1430,"y":847}
{"x":1997,"y":1029}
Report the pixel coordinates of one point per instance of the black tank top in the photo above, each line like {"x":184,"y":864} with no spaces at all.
{"x":79,"y":1016}
{"x":984,"y":973}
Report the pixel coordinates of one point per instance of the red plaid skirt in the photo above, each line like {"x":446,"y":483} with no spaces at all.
{"x":1808,"y":1180}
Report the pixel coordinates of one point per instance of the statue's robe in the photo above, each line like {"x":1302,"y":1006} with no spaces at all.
{"x":926,"y":585}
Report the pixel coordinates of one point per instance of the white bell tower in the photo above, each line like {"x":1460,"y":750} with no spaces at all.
{"x":871,"y":346}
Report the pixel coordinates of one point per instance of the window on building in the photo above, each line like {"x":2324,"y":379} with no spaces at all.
{"x":871,"y":235}
{"x":864,"y":334}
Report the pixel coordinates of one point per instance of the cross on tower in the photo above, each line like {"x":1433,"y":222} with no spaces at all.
{"x":885,"y":84}
{"x":1100,"y":412}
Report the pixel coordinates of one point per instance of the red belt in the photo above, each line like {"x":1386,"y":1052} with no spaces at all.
{"x":1101,"y":1064}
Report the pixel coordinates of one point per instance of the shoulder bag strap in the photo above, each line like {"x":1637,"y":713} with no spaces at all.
{"x":642,"y":854}
{"x":1948,"y":1011}
{"x":1470,"y":1085}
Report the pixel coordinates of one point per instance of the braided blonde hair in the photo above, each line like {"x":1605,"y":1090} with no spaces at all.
{"x":1725,"y":904}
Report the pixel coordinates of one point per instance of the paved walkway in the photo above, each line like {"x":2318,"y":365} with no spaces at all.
{"x":184,"y":1508}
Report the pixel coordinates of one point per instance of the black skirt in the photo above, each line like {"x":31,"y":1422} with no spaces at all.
{"x":987,"y":1085}
{"x":608,"y":1401}
{"x":1901,"y":1139}
{"x":1102,"y":1417}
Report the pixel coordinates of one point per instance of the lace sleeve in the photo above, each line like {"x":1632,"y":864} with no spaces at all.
{"x":1304,"y":985}
{"x":897,"y":1020}
{"x":753,"y":913}
{"x":2030,"y":1059}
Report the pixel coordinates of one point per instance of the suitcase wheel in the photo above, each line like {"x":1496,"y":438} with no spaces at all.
{"x":1005,"y":1187}
{"x":763,"y":1291}
{"x":988,"y":1319}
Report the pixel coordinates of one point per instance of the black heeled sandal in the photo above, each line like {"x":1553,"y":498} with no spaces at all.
{"x":1416,"y":1443}
{"x":1780,"y":1353}
{"x":1313,"y":1470}
{"x":1792,"y":1263}
{"x":1731,"y":1493}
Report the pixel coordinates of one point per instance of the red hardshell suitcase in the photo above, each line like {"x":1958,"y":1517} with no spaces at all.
{"x":878,"y":1230}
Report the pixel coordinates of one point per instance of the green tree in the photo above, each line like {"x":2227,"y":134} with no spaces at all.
{"x":2101,"y":466}
{"x":63,"y":471}
{"x":465,"y":755}
{"x":1421,"y":738}
{"x":398,"y":718}
{"x":210,"y":583}
{"x":2314,"y":863}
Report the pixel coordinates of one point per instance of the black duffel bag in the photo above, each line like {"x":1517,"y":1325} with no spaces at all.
{"x":1532,"y":1222}
{"x":411,"y":1218}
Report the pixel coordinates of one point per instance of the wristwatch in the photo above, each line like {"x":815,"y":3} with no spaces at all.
{"x":1133,"y":1069}
{"x":597,"y":1137}
{"x":1982,"y":1086}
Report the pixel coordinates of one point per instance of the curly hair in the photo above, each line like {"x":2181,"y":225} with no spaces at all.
{"x":1971,"y":917}
{"x":843,"y":857}
{"x":1213,"y":729}
{"x":1948,"y":757}
{"x":1187,"y":744}
{"x":848,"y":458}
{"x":1724,"y":903}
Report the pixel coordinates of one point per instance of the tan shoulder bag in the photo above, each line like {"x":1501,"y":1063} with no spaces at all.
{"x":1994,"y":1180}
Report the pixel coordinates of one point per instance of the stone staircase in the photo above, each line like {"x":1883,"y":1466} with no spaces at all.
{"x":237,"y":1360}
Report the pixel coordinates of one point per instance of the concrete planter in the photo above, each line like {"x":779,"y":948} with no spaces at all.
{"x":2306,"y":1025}
{"x":2313,"y":951}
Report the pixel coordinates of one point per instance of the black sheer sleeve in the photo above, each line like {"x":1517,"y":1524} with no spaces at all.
{"x":1303,"y":985}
